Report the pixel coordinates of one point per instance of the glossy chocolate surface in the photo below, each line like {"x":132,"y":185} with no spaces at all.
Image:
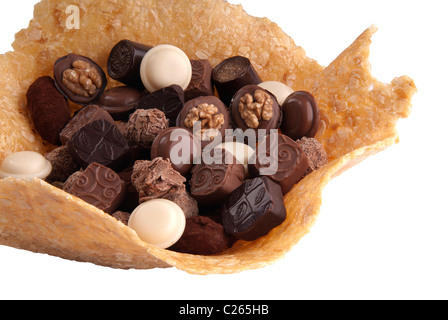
{"x":124,"y":62}
{"x":254,"y":209}
{"x":170,"y":100}
{"x":179,"y":146}
{"x":65,"y":63}
{"x":231,"y":75}
{"x":120,"y":102}
{"x":301,"y":115}
{"x":292,"y":163}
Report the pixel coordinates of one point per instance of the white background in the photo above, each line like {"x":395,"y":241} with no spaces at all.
{"x":382,"y":231}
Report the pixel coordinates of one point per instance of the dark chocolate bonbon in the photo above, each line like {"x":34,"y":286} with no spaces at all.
{"x":254,"y":209}
{"x":201,"y":80}
{"x":120,"y":102}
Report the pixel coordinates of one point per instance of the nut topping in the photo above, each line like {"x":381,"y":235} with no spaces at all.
{"x":83,"y":79}
{"x":211,"y":120}
{"x":253,"y":111}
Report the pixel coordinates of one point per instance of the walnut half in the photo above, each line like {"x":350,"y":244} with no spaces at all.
{"x":82,"y":80}
{"x":253,"y":111}
{"x":211,"y":120}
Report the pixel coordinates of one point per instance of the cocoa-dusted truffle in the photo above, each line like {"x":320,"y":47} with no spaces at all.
{"x":203,"y":236}
{"x":157,"y":179}
{"x":62,"y":163}
{"x":144,"y":126}
{"x":49,"y":109}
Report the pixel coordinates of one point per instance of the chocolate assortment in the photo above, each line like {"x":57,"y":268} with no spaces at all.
{"x":160,"y":152}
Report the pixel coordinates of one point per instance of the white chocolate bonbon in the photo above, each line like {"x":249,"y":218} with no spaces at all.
{"x":158,"y":222}
{"x":280,"y":90}
{"x":25,"y":164}
{"x":165,"y":65}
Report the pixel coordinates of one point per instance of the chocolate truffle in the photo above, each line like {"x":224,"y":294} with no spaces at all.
{"x":62,"y":163}
{"x":144,"y":126}
{"x":83,"y":117}
{"x":253,"y":107}
{"x":254,"y":209}
{"x":49,"y":109}
{"x":170,"y":100}
{"x":212,"y":183}
{"x":231,"y":75}
{"x":79,"y":78}
{"x":201,"y":80}
{"x":157,"y":179}
{"x":211,"y":115}
{"x":301,"y":115}
{"x":120,"y":102}
{"x":99,"y":141}
{"x":99,"y":186}
{"x":203,"y":236}
{"x":281,"y":159}
{"x":317,"y":157}
{"x":179,"y":146}
{"x":124,"y":62}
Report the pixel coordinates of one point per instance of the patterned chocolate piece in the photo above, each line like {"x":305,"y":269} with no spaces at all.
{"x":84,"y":116}
{"x":254,"y":209}
{"x":281,"y":159}
{"x":99,"y":141}
{"x":212,"y":183}
{"x":201,"y":80}
{"x":99,"y":186}
{"x":170,"y":100}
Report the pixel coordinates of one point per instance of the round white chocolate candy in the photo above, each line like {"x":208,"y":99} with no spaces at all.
{"x":280,"y":90}
{"x":158,"y":222}
{"x":25,"y":164}
{"x":165,"y":65}
{"x":241,"y":151}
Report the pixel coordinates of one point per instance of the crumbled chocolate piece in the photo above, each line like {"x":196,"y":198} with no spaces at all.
{"x":144,"y":126}
{"x":157,"y":179}
{"x":62,"y":163}
{"x":203,"y":236}
{"x":121,"y":216}
{"x":317,"y":157}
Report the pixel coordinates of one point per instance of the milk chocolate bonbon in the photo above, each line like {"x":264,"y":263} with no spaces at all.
{"x":79,"y":78}
{"x":99,"y":186}
{"x":300,"y":115}
{"x":231,"y":75}
{"x":99,"y":141}
{"x":120,"y":102}
{"x":201,"y":80}
{"x":179,"y":146}
{"x":165,"y":65}
{"x":124,"y":62}
{"x":281,"y":159}
{"x":49,"y":109}
{"x":159,"y":222}
{"x":254,"y":209}
{"x":212,"y":183}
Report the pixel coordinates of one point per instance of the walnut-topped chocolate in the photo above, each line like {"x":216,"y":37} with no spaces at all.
{"x":254,"y":108}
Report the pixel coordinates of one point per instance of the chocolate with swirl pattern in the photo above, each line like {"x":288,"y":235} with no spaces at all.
{"x":212,"y":183}
{"x":281,"y":159}
{"x":99,"y":186}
